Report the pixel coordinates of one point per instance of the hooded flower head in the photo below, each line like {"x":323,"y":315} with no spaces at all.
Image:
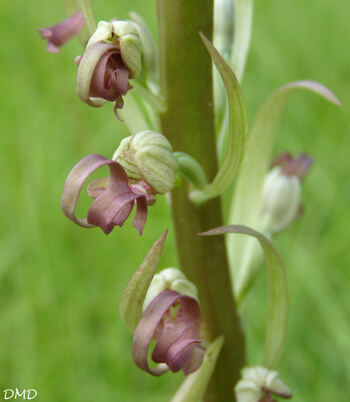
{"x":280,"y":203}
{"x":173,"y":321}
{"x":59,"y":34}
{"x":111,"y":58}
{"x":114,"y":196}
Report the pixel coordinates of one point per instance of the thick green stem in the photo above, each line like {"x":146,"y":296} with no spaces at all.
{"x":186,"y":74}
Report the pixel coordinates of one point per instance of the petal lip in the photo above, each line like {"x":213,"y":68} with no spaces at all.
{"x":58,"y":35}
{"x":178,"y":352}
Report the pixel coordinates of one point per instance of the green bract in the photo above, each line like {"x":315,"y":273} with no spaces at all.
{"x":136,"y":290}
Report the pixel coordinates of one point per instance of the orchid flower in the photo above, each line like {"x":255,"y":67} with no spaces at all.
{"x":111,"y":58}
{"x":280,"y":201}
{"x":173,"y":321}
{"x":115,"y":196}
{"x":61,"y":33}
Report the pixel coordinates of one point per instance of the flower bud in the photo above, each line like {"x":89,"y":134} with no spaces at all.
{"x":148,"y":156}
{"x":280,"y":202}
{"x":170,"y":279}
{"x":258,"y":383}
{"x":111,"y":58}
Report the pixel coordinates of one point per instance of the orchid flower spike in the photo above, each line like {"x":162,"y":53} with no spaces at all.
{"x":114,"y":196}
{"x":59,"y":34}
{"x":257,"y":385}
{"x":112,"y":57}
{"x":173,"y":321}
{"x":280,"y":202}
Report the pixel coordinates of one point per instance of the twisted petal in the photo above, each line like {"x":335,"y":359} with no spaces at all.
{"x":113,"y":204}
{"x":59,"y":34}
{"x":176,"y":345}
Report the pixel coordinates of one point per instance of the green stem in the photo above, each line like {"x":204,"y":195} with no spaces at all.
{"x":186,"y":79}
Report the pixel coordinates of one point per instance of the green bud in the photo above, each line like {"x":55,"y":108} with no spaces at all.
{"x":171,"y":279}
{"x":280,"y":200}
{"x":148,"y":156}
{"x":257,"y":381}
{"x":125,"y":36}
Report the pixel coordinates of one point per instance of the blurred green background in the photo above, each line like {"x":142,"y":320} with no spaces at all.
{"x":60,"y":285}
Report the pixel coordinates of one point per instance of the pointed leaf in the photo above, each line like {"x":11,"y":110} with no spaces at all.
{"x":277,"y":293}
{"x":136,"y":290}
{"x":237,"y":130}
{"x":246,"y":202}
{"x":195,"y":384}
{"x":243,"y":16}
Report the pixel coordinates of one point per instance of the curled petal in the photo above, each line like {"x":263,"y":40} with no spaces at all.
{"x":96,"y":187}
{"x":74,"y":183}
{"x":87,"y":66}
{"x":113,"y":204}
{"x":59,"y":34}
{"x":178,"y":352}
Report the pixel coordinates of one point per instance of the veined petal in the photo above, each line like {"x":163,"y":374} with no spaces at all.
{"x":177,"y":355}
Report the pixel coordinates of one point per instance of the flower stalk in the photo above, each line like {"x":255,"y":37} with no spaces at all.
{"x":186,"y":80}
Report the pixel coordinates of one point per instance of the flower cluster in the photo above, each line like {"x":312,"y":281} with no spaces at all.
{"x":142,"y":167}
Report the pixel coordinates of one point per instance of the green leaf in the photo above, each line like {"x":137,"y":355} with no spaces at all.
{"x":136,"y":290}
{"x":246,"y":202}
{"x":237,"y":130}
{"x":193,"y":387}
{"x":243,"y":16}
{"x":277,"y":293}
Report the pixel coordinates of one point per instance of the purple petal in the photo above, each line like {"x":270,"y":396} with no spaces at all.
{"x":178,"y":351}
{"x":58,"y":35}
{"x":74,"y":183}
{"x":141,"y":214}
{"x":166,"y":340}
{"x":111,"y":207}
{"x":298,"y":167}
{"x":110,"y":78}
{"x":96,"y":187}
{"x":109,"y":210}
{"x":180,"y":354}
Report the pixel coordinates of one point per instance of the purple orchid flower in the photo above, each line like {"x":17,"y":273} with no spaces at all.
{"x":173,"y":320}
{"x":59,"y":34}
{"x":114,"y":197}
{"x":298,"y":167}
{"x":110,"y":78}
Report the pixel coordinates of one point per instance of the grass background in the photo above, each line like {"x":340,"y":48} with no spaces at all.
{"x":60,"y":285}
